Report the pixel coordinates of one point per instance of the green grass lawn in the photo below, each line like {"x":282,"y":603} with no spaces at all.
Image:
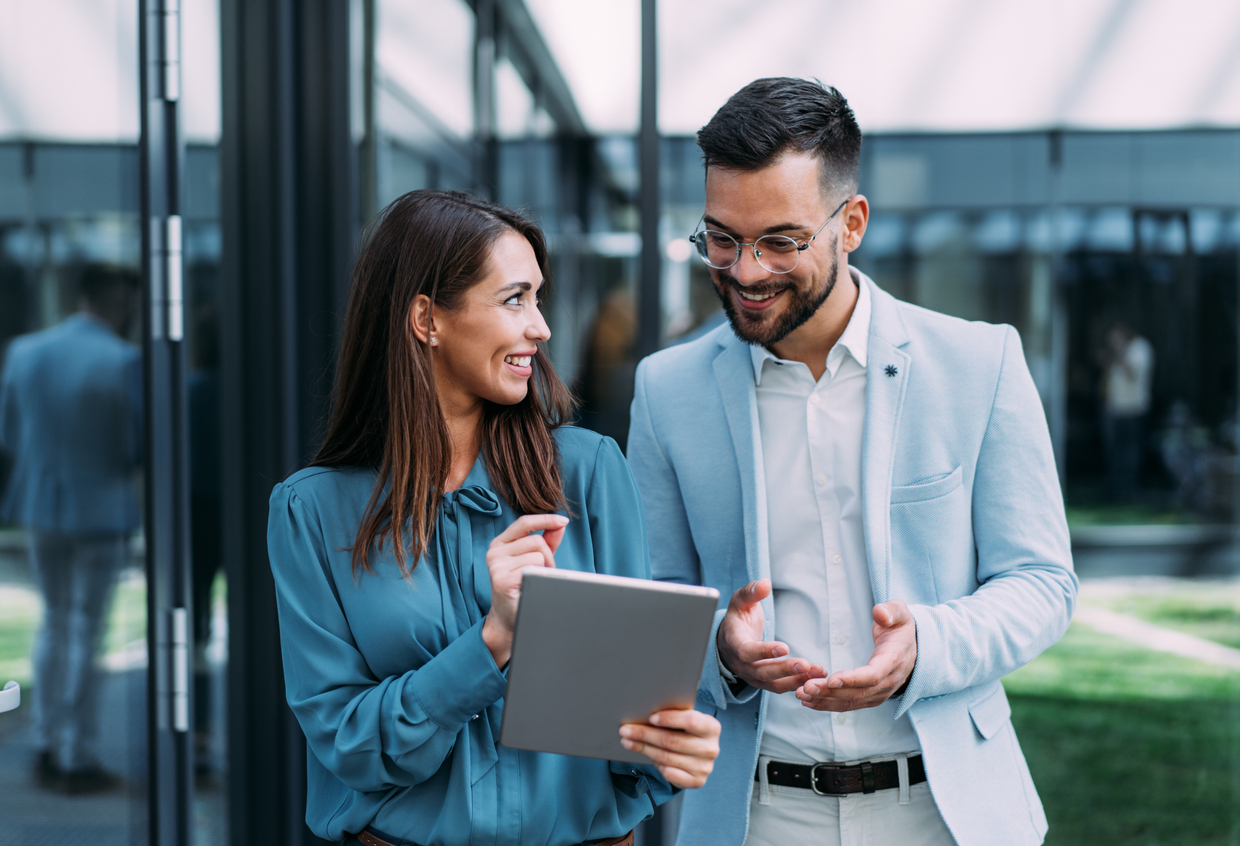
{"x":1129,"y":746}
{"x":21,"y":610}
{"x":1107,"y":514}
{"x":1208,"y":610}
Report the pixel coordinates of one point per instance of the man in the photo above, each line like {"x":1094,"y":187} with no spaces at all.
{"x":873,"y":486}
{"x":1128,"y":368}
{"x":70,"y":417}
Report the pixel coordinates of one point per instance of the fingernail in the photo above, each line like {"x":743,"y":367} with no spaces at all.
{"x":561,"y":519}
{"x":625,"y":731}
{"x":798,"y":668}
{"x":834,"y":683}
{"x":654,"y":719}
{"x":627,"y":744}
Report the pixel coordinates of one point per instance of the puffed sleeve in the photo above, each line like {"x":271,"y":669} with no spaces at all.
{"x":618,"y":528}
{"x":372,"y":733}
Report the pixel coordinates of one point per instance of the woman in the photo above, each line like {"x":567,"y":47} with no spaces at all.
{"x":397,"y":555}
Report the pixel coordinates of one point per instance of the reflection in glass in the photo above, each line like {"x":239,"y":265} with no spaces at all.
{"x":72,"y":589}
{"x":73,"y":622}
{"x":71,"y":417}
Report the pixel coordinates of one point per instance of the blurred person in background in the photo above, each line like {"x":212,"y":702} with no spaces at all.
{"x":397,"y":555}
{"x":606,"y":383}
{"x":873,"y":483}
{"x":71,"y":419}
{"x":1128,"y":373}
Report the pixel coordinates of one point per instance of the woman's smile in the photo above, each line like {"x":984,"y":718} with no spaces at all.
{"x":520,"y":363}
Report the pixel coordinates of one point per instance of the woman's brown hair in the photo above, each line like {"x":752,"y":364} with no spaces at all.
{"x":386,"y":411}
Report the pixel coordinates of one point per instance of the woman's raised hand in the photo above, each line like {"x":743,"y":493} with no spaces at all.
{"x":514,"y":549}
{"x":682,"y":743}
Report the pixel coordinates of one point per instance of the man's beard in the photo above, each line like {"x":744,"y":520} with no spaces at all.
{"x":760,"y":329}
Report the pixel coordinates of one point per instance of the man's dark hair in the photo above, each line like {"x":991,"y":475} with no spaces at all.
{"x":770,"y":117}
{"x":98,"y":283}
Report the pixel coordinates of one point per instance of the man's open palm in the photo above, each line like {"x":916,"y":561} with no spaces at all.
{"x":762,"y":664}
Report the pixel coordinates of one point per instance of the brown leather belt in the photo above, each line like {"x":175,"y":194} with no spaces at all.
{"x":839,"y":780}
{"x":368,"y":838}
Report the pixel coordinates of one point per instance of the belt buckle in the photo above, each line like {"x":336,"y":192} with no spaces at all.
{"x":813,"y":779}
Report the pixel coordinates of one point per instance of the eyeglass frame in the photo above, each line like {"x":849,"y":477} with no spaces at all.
{"x":754,"y":244}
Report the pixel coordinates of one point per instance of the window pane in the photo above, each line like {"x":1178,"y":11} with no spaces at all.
{"x":73,"y":760}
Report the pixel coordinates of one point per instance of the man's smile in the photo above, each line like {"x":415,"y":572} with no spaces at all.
{"x":756,"y":300}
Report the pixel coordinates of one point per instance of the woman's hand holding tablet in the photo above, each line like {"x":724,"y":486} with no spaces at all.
{"x":683,"y":744}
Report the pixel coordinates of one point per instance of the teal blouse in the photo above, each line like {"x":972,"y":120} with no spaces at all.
{"x":397,"y":694}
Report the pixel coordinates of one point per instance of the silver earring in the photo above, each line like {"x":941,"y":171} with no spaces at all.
{"x":434,"y":340}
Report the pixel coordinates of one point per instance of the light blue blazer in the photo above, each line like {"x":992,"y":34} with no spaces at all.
{"x":963,"y":520}
{"x":71,"y":417}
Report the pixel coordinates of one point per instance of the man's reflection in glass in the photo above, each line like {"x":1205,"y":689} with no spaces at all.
{"x":71,"y":418}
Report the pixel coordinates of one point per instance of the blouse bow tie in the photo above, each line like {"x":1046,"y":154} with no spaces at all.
{"x":465,"y":591}
{"x":475,"y":498}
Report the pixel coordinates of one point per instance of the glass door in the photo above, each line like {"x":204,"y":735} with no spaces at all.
{"x":73,"y":537}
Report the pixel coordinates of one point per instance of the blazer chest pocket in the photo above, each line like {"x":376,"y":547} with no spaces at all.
{"x":932,"y":541}
{"x":932,"y":489}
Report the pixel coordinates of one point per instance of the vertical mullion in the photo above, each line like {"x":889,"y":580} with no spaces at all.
{"x":649,"y":299}
{"x":166,"y":466}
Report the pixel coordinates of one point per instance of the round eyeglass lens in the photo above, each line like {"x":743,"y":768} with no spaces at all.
{"x":777,"y":253}
{"x":718,"y":249}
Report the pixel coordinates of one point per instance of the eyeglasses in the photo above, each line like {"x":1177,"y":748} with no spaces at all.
{"x":776,"y":253}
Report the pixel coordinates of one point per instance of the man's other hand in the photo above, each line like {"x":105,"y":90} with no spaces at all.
{"x":762,"y":664}
{"x":895,"y":655}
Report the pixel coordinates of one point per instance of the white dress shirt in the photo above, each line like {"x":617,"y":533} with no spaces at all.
{"x":811,"y":457}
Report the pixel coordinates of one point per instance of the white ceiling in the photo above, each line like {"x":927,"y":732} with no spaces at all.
{"x":69,"y":70}
{"x":915,"y":65}
{"x":68,"y":67}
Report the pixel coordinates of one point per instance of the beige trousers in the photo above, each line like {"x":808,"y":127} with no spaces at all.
{"x":797,"y":817}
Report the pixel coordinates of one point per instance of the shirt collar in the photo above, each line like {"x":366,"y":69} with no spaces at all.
{"x":854,"y":341}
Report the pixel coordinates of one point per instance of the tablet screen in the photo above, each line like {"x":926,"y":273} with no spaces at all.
{"x":591,"y":652}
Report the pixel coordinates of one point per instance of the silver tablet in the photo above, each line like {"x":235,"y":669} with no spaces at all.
{"x":591,"y":652}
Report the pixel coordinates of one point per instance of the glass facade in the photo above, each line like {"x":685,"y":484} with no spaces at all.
{"x":208,"y":614}
{"x":73,"y":611}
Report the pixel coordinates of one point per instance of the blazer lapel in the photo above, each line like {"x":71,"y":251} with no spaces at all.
{"x":887,"y":372}
{"x":734,"y":374}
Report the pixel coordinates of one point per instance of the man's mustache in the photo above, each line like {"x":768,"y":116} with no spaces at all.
{"x":750,"y":290}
